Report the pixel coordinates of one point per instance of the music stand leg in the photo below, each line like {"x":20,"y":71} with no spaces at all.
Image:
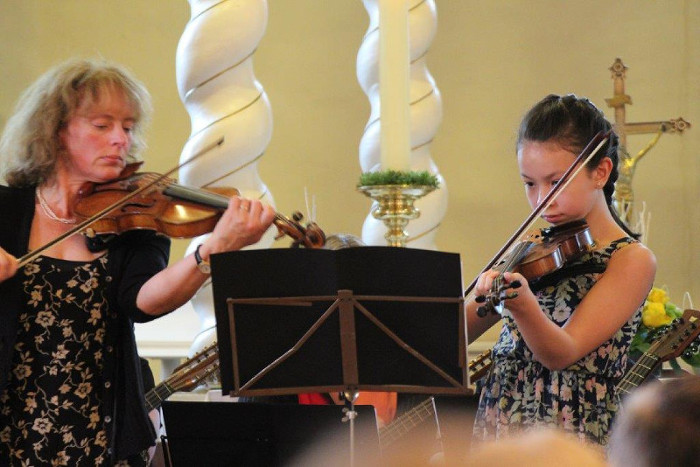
{"x":350,"y":415}
{"x":167,"y":459}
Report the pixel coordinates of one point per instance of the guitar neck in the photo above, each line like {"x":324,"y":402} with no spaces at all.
{"x":156,"y":396}
{"x":672,"y":342}
{"x":639,"y":372}
{"x":478,"y":367}
{"x":406,"y":422}
{"x":185,"y":377}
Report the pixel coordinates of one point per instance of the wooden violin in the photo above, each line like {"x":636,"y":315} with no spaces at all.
{"x":174,"y":210}
{"x":497,"y":293}
{"x":154,"y":202}
{"x":543,"y":252}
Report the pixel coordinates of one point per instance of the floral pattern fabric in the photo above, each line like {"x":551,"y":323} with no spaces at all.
{"x":521,"y":394}
{"x":51,"y":410}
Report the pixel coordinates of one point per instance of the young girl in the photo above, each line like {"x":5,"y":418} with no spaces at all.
{"x":563,"y":348}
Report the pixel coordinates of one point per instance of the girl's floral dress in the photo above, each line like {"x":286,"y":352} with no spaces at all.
{"x":520,"y":394}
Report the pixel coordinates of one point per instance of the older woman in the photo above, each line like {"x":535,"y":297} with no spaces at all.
{"x":71,"y":389}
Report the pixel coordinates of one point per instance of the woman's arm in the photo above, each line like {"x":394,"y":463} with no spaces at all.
{"x":8,"y":265}
{"x":176,"y":284}
{"x":614,"y":298}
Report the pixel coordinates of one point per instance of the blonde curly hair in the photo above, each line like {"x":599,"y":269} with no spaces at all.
{"x":30,"y":145}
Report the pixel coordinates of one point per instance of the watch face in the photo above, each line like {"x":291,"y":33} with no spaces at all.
{"x":204,"y":267}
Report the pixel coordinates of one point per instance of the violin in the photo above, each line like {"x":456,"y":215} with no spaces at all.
{"x":591,"y":149}
{"x":137,"y":201}
{"x":542,"y":252}
{"x":171,"y":209}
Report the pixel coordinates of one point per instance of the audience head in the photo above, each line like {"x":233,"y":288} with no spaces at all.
{"x":541,"y":448}
{"x":659,"y":425}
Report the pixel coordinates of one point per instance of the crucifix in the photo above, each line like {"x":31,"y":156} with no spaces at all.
{"x":624,"y":196}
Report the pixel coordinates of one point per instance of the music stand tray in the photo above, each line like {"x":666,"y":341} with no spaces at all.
{"x":292,"y":321}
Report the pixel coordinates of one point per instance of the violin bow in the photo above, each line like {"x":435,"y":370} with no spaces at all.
{"x":86,"y":223}
{"x":582,"y":159}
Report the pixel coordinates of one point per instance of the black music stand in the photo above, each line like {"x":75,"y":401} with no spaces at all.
{"x":218,"y":434}
{"x":292,"y":321}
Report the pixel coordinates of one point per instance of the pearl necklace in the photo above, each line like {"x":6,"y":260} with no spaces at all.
{"x":49,"y":212}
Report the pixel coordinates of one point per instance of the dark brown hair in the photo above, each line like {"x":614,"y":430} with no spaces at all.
{"x":573,"y":122}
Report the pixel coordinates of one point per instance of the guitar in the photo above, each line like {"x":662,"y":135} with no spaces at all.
{"x":202,"y":366}
{"x":477,"y":367}
{"x":680,"y":334}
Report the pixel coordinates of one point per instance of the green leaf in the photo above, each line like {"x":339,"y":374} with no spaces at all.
{"x":395,"y":177}
{"x":672,"y":310}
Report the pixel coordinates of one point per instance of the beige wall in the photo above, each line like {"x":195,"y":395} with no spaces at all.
{"x":491,"y":60}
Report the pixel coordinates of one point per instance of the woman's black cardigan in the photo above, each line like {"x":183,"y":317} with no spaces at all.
{"x":134,"y":257}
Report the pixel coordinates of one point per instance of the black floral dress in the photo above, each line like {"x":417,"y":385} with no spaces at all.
{"x":521,"y":394}
{"x":51,"y":408}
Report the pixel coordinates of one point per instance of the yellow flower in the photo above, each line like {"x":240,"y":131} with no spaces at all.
{"x":654,"y":315}
{"x":657,"y":295}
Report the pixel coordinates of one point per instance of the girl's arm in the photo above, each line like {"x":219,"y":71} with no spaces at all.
{"x":614,"y":298}
{"x":476,"y":325}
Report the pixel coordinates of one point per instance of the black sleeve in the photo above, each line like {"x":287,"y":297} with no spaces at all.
{"x":138,"y":256}
{"x":147,"y":375}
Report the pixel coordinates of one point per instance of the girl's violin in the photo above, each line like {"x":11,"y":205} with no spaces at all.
{"x":174,"y":210}
{"x":542,"y":252}
{"x":520,"y":252}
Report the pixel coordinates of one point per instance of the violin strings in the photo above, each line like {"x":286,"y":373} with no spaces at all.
{"x":518,"y":253}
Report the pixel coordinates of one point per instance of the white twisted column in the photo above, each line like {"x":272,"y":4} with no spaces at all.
{"x":425,"y":114}
{"x":218,"y":87}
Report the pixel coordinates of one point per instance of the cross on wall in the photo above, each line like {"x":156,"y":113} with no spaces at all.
{"x":624,"y":195}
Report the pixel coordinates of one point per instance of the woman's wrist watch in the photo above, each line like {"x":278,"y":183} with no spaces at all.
{"x":202,"y":265}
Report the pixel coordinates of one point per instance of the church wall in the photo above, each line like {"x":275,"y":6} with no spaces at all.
{"x":491,"y":61}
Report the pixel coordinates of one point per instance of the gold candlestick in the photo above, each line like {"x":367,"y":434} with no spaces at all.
{"x":395,"y":207}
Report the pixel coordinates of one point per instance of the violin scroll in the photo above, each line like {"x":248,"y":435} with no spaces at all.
{"x":309,"y":236}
